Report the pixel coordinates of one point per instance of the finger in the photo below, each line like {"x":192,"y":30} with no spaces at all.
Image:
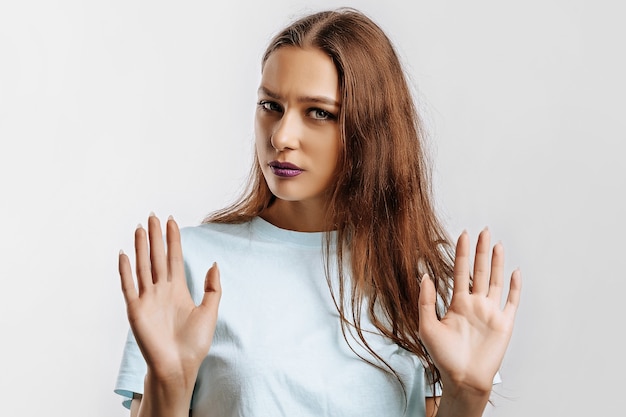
{"x":461,"y":265}
{"x":142,"y":260}
{"x":175,"y":264}
{"x":126,"y":277}
{"x":515,"y":291}
{"x":212,"y":289}
{"x":157,"y":249}
{"x":480,"y":284}
{"x":427,"y":306}
{"x":497,"y":274}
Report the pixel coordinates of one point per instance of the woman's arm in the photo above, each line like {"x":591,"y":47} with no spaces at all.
{"x":134,"y":405}
{"x":431,"y":406}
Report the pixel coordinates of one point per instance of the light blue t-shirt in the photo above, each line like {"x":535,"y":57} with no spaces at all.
{"x":278,"y":348}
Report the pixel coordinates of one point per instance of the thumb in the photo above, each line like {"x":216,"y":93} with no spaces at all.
{"x":427,"y":304}
{"x":212,"y":288}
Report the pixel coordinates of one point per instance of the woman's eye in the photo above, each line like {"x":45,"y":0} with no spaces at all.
{"x":320,"y":114}
{"x":269,"y":105}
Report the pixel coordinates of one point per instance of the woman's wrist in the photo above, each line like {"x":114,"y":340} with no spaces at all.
{"x":166,"y":396}
{"x":459,"y":401}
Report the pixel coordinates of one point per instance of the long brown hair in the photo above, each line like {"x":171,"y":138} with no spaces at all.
{"x":381,"y":205}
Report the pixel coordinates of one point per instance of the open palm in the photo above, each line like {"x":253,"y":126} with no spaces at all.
{"x":468,"y":344}
{"x":174,"y":334}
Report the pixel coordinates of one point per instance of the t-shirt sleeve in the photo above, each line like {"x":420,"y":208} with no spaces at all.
{"x":430,"y":389}
{"x":132,"y":372}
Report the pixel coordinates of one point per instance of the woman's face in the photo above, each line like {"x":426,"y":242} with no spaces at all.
{"x":296,"y":127}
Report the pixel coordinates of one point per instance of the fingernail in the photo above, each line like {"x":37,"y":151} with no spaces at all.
{"x":170,"y":217}
{"x":121,"y":251}
{"x":152,"y":214}
{"x":139,"y":226}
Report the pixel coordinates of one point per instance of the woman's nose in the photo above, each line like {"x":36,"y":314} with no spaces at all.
{"x":287,"y":132}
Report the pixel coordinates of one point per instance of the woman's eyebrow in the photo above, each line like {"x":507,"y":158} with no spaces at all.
{"x":301,"y":99}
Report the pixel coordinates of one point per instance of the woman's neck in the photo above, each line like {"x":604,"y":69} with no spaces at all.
{"x":297,"y":216}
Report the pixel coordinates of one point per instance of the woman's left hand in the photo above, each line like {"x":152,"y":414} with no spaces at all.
{"x":468,"y":344}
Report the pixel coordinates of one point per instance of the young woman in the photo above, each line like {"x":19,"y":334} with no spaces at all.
{"x":342,"y":293}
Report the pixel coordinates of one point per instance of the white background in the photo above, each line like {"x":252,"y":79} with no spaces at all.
{"x":112,"y":109}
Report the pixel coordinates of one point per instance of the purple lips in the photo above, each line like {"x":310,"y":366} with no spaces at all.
{"x":285,"y":169}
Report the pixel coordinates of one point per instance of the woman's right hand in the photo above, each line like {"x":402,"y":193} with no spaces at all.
{"x":174,"y":334}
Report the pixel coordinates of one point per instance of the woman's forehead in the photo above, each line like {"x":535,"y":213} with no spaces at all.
{"x":306,"y":72}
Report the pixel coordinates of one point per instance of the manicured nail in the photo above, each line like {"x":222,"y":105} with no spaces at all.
{"x":170,"y":217}
{"x":152,"y":214}
{"x":139,"y":226}
{"x":121,"y":252}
